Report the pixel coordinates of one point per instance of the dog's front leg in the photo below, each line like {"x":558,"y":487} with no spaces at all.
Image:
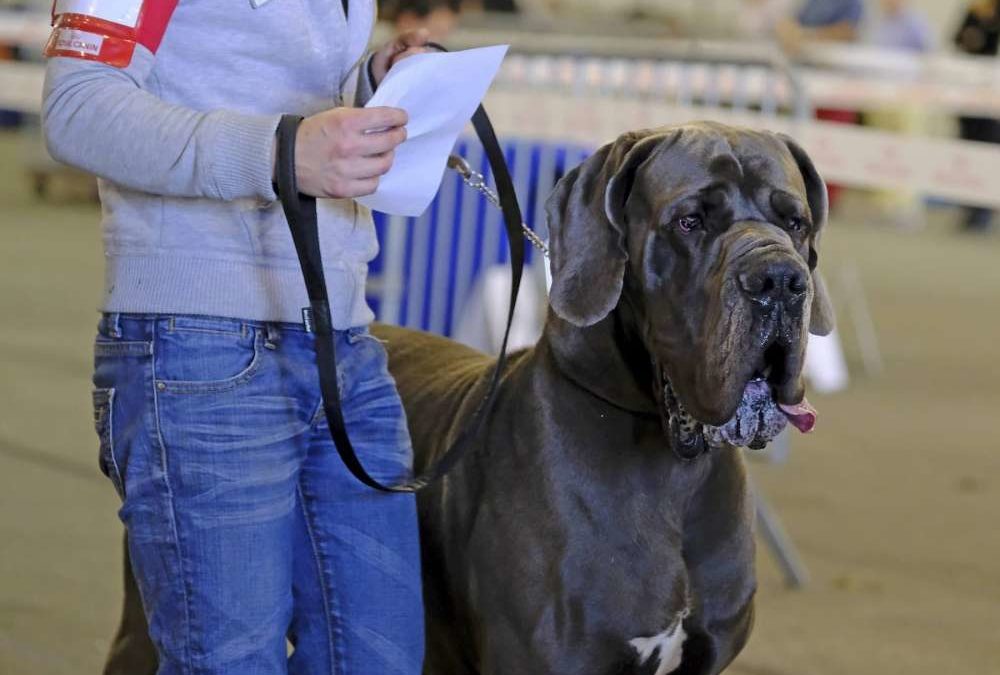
{"x":719,"y":553}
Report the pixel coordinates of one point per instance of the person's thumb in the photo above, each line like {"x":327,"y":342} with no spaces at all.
{"x":415,"y":38}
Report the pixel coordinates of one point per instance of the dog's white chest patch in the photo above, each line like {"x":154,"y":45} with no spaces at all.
{"x":667,"y":646}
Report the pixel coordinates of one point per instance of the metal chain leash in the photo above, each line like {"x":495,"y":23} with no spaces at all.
{"x":477,"y":181}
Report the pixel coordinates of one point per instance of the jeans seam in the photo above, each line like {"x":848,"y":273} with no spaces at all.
{"x":209,"y":331}
{"x":116,"y":474}
{"x":328,"y":600}
{"x":185,"y":577}
{"x":122,"y":348}
{"x":319,"y":414}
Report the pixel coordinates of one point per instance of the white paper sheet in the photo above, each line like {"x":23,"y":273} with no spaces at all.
{"x":440,"y":92}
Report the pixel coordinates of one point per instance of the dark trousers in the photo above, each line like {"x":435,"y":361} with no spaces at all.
{"x":132,"y":652}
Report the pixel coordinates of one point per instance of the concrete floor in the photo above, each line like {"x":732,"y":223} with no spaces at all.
{"x":893,"y":501}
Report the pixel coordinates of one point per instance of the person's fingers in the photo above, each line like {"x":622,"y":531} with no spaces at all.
{"x":408,"y":52}
{"x":360,"y":188}
{"x":364,"y":168}
{"x":344,"y":187}
{"x":385,"y":57}
{"x":381,"y":142}
{"x":414,"y":38}
{"x":377,"y":119}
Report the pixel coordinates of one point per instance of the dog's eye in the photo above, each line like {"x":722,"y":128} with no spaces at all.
{"x":796,"y":223}
{"x":688,"y":223}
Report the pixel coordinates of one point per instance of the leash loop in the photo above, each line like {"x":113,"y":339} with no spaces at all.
{"x":300,"y":211}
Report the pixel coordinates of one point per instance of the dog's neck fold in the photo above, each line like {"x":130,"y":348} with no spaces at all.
{"x":607,"y":359}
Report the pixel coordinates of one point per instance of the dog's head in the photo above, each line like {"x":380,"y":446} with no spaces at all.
{"x":708,"y":235}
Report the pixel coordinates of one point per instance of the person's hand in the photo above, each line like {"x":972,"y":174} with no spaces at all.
{"x":405,"y":45}
{"x":342,"y":152}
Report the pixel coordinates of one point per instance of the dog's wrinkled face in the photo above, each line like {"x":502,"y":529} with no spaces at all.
{"x":710,"y":234}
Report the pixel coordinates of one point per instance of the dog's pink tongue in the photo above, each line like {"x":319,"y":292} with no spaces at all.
{"x":802,"y":416}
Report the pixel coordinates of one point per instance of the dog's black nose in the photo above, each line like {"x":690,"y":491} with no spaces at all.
{"x":774,"y":281}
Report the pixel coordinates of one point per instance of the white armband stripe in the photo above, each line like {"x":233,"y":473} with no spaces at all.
{"x":121,"y":12}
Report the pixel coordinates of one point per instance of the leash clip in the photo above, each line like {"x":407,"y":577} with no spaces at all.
{"x":477,"y":181}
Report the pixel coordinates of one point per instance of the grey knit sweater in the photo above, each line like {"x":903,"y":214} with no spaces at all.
{"x":182,"y":142}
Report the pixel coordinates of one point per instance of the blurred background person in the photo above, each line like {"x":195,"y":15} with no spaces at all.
{"x":899,"y":26}
{"x":438,"y":17}
{"x":824,"y":21}
{"x":759,"y":19}
{"x":979,"y":35}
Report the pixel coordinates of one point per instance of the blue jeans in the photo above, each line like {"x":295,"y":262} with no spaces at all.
{"x":244,"y":526}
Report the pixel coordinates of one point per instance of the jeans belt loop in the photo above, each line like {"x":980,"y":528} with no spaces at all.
{"x":114,"y":326}
{"x":272,"y":336}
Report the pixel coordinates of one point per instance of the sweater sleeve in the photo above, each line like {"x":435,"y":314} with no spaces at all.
{"x":97,"y":117}
{"x":366,"y":82}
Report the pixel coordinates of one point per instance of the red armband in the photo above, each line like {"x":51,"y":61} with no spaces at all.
{"x":107,"y":30}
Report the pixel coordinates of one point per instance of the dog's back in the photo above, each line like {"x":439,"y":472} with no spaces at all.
{"x":440,"y":381}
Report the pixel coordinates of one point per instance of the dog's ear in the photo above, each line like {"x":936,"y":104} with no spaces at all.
{"x":586,"y":218}
{"x":821,"y":320}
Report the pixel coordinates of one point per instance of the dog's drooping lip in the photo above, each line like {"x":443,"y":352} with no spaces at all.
{"x":758,"y":420}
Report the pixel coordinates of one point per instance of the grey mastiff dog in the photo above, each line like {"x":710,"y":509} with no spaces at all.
{"x":602,"y":525}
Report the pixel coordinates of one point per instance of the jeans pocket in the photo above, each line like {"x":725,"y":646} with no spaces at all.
{"x":104,"y":425}
{"x":192,"y":360}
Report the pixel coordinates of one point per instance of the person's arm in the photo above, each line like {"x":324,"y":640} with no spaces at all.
{"x":96,"y":117}
{"x":845,"y":23}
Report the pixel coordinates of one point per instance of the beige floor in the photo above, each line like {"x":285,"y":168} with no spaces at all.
{"x":894,"y":501}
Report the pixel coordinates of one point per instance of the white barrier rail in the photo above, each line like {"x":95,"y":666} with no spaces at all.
{"x":21,"y":86}
{"x":24,"y":29}
{"x":863,"y":78}
{"x":768,"y":87}
{"x":948,"y":169}
{"x":961,"y":171}
{"x":840,"y":76}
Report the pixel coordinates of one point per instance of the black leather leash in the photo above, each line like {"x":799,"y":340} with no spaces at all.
{"x":300,"y":210}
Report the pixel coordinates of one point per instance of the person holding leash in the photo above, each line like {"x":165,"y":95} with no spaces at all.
{"x":244,"y":528}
